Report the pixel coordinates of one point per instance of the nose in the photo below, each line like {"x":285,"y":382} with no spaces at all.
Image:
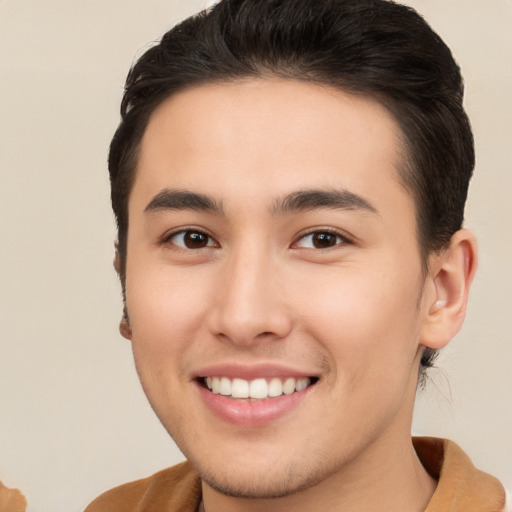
{"x":250,"y":304}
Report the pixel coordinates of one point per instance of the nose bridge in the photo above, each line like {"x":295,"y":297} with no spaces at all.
{"x":250,"y":302}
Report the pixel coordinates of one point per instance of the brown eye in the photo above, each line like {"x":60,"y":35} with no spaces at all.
{"x":191,"y":240}
{"x":320,"y":240}
{"x":324,"y":240}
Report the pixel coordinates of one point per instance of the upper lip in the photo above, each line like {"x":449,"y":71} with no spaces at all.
{"x":251,"y":372}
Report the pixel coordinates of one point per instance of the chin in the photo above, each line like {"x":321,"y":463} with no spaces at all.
{"x":262,"y":483}
{"x":251,"y":489}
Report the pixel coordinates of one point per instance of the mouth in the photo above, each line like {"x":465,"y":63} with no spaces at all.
{"x":256,"y":389}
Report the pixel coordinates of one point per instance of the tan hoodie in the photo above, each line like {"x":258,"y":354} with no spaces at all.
{"x":11,"y":500}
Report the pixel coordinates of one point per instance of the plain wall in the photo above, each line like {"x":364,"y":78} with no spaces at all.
{"x":73,"y":419}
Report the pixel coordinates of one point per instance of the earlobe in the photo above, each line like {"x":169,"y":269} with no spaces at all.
{"x":451,"y":273}
{"x":124,"y":326}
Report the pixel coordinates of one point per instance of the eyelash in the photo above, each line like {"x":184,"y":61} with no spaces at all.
{"x":340,"y":239}
{"x":168,"y":239}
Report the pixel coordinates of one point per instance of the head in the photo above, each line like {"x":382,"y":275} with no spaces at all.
{"x":363,"y":48}
{"x":371,"y":57}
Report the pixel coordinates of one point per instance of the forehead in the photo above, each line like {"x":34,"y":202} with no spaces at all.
{"x":284,"y":134}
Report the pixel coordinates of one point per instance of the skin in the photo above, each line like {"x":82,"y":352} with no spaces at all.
{"x":356,"y":313}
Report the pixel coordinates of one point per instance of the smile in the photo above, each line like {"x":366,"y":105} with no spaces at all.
{"x":257,"y":389}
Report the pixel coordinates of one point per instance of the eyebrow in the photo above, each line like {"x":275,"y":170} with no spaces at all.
{"x":313,"y":199}
{"x":295,"y":202}
{"x":169,"y":199}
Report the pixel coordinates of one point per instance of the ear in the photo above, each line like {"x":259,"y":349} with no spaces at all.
{"x":124,"y":324}
{"x":446,"y":292}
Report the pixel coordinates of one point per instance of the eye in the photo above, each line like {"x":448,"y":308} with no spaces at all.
{"x":191,"y":239}
{"x":320,"y":240}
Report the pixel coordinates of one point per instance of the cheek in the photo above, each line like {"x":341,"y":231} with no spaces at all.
{"x":367,"y":321}
{"x":166,"y":313}
{"x":166,"y":310}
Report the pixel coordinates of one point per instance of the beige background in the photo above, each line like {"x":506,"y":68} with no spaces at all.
{"x":73,"y":419}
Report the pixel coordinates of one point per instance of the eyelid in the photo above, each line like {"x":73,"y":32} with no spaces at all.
{"x":312,"y":231}
{"x":166,"y":239}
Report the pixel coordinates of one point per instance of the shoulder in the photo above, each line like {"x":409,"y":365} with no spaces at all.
{"x":176,"y":489}
{"x":461,"y":486}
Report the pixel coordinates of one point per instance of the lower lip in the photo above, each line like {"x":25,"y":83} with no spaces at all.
{"x":251,"y":413}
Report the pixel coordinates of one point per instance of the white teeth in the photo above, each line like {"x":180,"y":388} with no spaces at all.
{"x":275,"y":387}
{"x":289,"y":386}
{"x":240,"y":388}
{"x":225,"y":386}
{"x":301,"y":384}
{"x":257,"y":389}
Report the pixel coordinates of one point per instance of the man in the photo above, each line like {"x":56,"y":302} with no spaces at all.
{"x":289,"y":180}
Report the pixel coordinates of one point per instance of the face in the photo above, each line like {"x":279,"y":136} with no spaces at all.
{"x":274,"y":282}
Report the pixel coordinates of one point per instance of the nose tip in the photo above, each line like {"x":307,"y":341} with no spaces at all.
{"x":243,"y":326}
{"x":250,"y":307}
